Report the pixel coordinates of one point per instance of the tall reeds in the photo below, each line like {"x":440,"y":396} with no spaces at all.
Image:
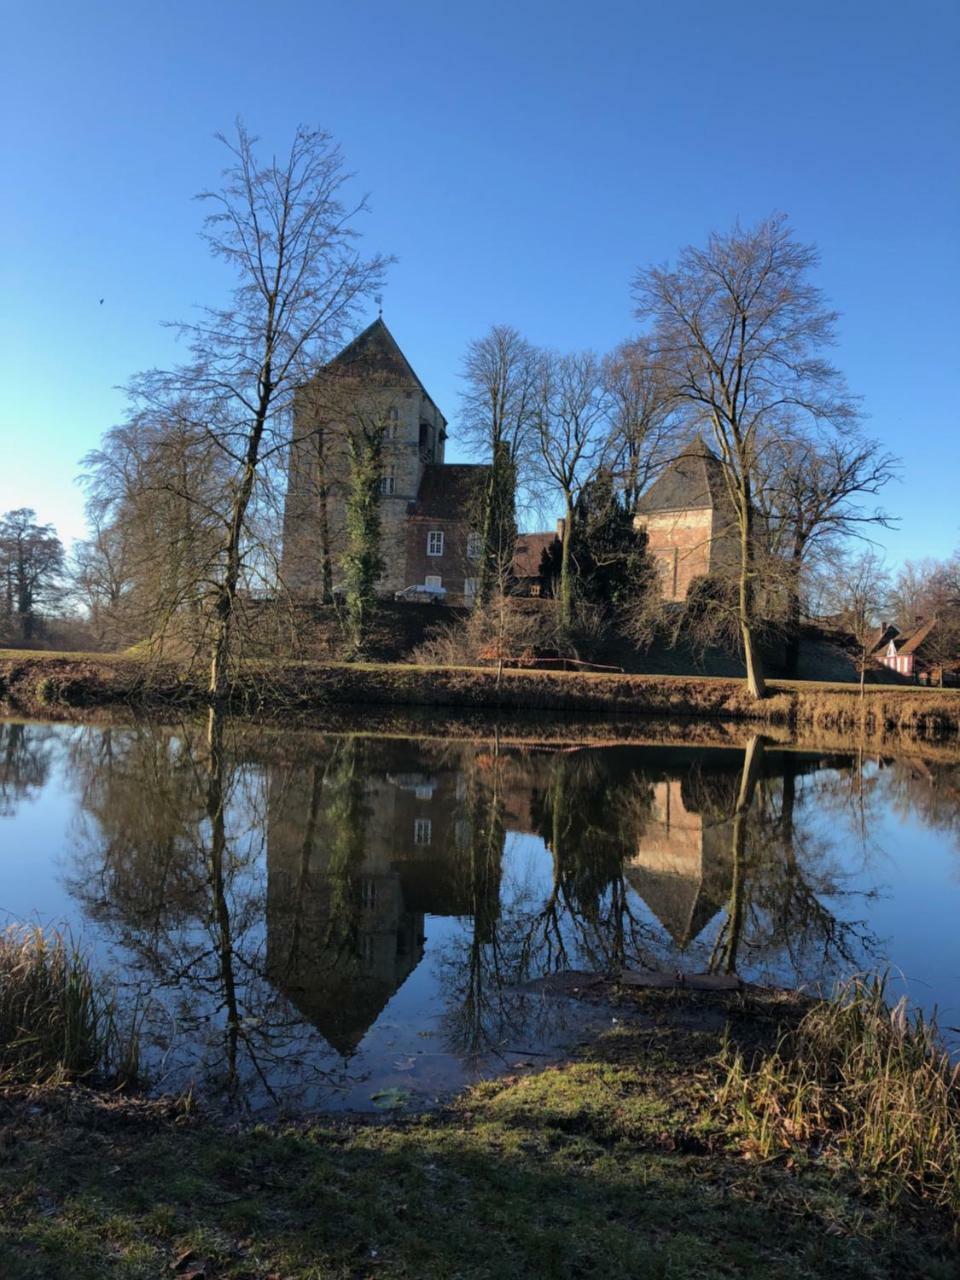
{"x":873,"y":1081}
{"x":56,"y":1022}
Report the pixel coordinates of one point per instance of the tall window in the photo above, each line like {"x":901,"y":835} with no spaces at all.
{"x":422,"y":831}
{"x":435,"y":542}
{"x":474,"y":546}
{"x":388,"y":481}
{"x":469,"y":587}
{"x":392,"y":429}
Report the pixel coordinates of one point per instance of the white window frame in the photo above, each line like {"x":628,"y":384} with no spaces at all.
{"x":422,"y":831}
{"x":435,"y":542}
{"x":433,"y":580}
{"x":474,"y":545}
{"x":470,"y":587}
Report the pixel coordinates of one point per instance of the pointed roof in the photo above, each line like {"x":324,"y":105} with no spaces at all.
{"x":692,"y":481}
{"x":376,"y":351}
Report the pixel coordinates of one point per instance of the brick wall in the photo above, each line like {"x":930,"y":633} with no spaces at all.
{"x":453,"y":567}
{"x":680,"y":543}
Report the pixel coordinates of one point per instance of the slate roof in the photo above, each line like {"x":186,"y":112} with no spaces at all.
{"x":376,"y":351}
{"x":529,"y":552}
{"x":692,"y":481}
{"x":450,"y":491}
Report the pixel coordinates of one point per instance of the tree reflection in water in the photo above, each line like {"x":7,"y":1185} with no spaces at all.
{"x":271,"y":894}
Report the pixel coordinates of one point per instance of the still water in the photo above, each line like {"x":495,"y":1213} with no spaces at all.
{"x":355,"y":921}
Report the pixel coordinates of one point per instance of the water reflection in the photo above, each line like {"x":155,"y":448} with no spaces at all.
{"x":297,"y":914}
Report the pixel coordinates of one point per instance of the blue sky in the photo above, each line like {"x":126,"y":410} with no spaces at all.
{"x":522,"y":161}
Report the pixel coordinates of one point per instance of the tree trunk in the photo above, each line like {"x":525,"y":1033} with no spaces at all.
{"x":792,"y":654}
{"x":566,"y":584}
{"x":752,"y":762}
{"x":226,"y":597}
{"x":751,"y":655}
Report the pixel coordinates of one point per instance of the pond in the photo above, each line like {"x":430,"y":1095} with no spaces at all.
{"x":304,"y":920}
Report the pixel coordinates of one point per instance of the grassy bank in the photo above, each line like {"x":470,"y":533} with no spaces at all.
{"x":44,"y":683}
{"x":628,"y":1162}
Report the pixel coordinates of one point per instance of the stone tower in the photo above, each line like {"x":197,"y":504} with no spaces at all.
{"x":688,"y":517}
{"x":369,"y":384}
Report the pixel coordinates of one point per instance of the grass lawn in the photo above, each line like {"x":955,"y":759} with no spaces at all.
{"x":616,"y":1165}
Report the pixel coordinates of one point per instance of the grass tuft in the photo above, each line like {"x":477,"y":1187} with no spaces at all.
{"x":56,"y":1023}
{"x":873,"y":1081}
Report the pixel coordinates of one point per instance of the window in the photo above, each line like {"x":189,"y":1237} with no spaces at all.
{"x":433,"y":580}
{"x":422,"y":830}
{"x":470,"y":587}
{"x":435,"y":542}
{"x":368,"y":892}
{"x":474,"y":546}
{"x":392,"y":429}
{"x":388,"y":481}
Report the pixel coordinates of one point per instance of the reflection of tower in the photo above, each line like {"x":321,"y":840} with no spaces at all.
{"x":340,"y":938}
{"x":681,"y":867}
{"x":358,"y":854}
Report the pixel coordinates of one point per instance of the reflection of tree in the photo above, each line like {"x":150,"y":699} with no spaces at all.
{"x":781,"y":873}
{"x":927,"y":790}
{"x":589,"y":817}
{"x":481,"y":971}
{"x":173,"y":866}
{"x":26,"y":752}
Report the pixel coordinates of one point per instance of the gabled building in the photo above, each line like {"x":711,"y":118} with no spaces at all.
{"x":689,"y":520}
{"x":903,"y":651}
{"x":427,"y":508}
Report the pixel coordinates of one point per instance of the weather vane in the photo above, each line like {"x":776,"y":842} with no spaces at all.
{"x":378,"y":299}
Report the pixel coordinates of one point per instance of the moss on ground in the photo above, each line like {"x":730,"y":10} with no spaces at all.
{"x":614,"y":1165}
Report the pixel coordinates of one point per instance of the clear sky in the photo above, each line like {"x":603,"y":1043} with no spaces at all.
{"x":523,"y":159}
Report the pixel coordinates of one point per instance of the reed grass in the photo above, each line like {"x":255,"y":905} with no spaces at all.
{"x":56,"y":1021}
{"x":874,"y":1082}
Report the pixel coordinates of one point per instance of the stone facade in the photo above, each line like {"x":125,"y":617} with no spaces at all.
{"x":688,"y":518}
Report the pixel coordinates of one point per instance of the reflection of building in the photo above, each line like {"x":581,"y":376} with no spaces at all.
{"x":681,"y":867}
{"x":356,"y":859}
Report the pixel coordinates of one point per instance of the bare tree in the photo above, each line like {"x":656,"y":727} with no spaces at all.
{"x":857,"y":590}
{"x":737,"y":328}
{"x":158,"y":503}
{"x":811,"y":499}
{"x":928,"y":590}
{"x":644,"y":424}
{"x":572,"y":415}
{"x":284,"y":230}
{"x":31,"y":564}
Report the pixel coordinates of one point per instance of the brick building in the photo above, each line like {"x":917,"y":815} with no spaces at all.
{"x":427,"y":507}
{"x":689,"y":520}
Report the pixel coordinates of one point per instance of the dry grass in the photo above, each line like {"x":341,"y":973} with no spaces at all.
{"x":875,"y":1082}
{"x":55,"y":1022}
{"x":55,"y":683}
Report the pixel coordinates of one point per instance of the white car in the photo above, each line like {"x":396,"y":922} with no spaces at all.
{"x":421,"y":591}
